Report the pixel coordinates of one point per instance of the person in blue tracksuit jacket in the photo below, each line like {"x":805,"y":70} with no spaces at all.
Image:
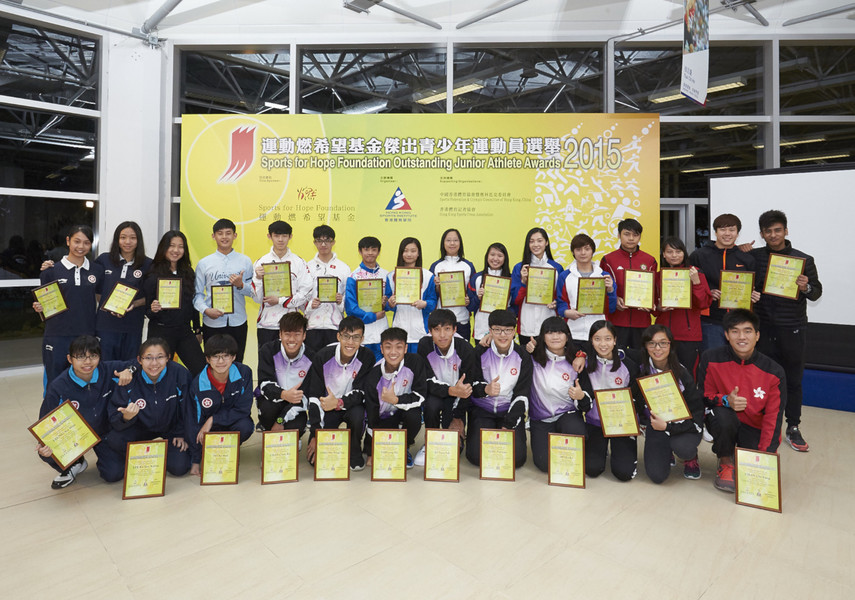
{"x":88,"y":385}
{"x":220,"y":398}
{"x":152,"y":406}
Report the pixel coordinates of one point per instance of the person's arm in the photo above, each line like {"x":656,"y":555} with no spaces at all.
{"x":520,"y":394}
{"x":518,"y":288}
{"x":637,"y":397}
{"x":267,"y":382}
{"x":701,"y":297}
{"x":435,"y":386}
{"x":200,"y":303}
{"x":695,"y":404}
{"x":814,"y":285}
{"x":472,"y":292}
{"x":418,"y":390}
{"x":182,"y":383}
{"x":773,"y":414}
{"x":562,"y":297}
{"x":479,"y":379}
{"x":469,"y":372}
{"x":372,"y":399}
{"x":429,"y":296}
{"x":712,"y":397}
{"x":304,"y":290}
{"x":257,"y":284}
{"x":352,"y":306}
{"x":356,"y":395}
{"x":247,"y":275}
{"x":117,"y":406}
{"x":315,"y":388}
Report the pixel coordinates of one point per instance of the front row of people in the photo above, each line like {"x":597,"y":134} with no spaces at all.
{"x":740,"y":394}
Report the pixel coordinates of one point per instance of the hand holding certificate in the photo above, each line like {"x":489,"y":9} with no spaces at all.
{"x":51,"y":298}
{"x":120,"y":299}
{"x":758,"y":479}
{"x":145,"y":470}
{"x":663,"y":396}
{"x":638,"y":289}
{"x":591,"y":295}
{"x":169,"y":292}
{"x":408,"y":285}
{"x":223,"y":298}
{"x":451,"y":288}
{"x":66,"y":433}
{"x":497,"y":292}
{"x":220,"y":458}
{"x":276,"y":279}
{"x":442,"y":458}
{"x":567,"y":460}
{"x":389,"y":455}
{"x":736,"y":288}
{"x":782,"y":274}
{"x":540,"y":288}
{"x":328,"y":289}
{"x":676,"y":289}
{"x":617,"y":413}
{"x":369,"y":295}
{"x":497,"y":454}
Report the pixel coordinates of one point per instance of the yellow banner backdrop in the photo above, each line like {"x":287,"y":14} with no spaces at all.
{"x":493,"y":177}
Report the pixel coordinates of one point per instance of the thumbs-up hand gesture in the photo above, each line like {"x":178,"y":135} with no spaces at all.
{"x":576,"y":392}
{"x":237,"y":280}
{"x":460,"y":389}
{"x":329,"y":402}
{"x":737,"y":402}
{"x":293,"y":395}
{"x":494,"y":388}
{"x":388,"y":396}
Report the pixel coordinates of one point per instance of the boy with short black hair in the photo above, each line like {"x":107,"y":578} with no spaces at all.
{"x":501,"y":388}
{"x":375,"y":323}
{"x":745,"y":393}
{"x":272,"y":308}
{"x":783,"y":321}
{"x":629,"y":322}
{"x":226,"y":266}
{"x":451,"y":362}
{"x":282,"y":369}
{"x":324,"y":317}
{"x":395,"y":389}
{"x":712,"y":258}
{"x":220,"y":397}
{"x":336,"y":388}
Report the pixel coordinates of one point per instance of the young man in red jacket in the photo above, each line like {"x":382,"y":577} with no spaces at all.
{"x":745,"y":392}
{"x":629,"y":322}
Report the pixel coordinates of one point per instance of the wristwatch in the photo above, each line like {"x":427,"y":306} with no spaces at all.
{"x":280,"y":420}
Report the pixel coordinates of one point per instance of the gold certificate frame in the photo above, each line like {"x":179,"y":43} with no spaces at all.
{"x":279,"y":457}
{"x":617,"y":413}
{"x":220,"y":458}
{"x":145,"y":470}
{"x":389,"y":455}
{"x":566,"y":460}
{"x":498,"y":451}
{"x":442,"y":455}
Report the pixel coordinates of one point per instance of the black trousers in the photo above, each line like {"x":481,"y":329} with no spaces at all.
{"x":481,"y":419}
{"x":729,"y":432}
{"x":689,"y":355}
{"x":570,"y":423}
{"x":238,"y":333}
{"x":411,"y":420}
{"x":318,"y":338}
{"x":658,"y":447}
{"x":629,"y":337}
{"x":354,"y":420}
{"x":177,"y":461}
{"x":268,"y":411}
{"x":244,"y":426}
{"x":624,"y":462}
{"x":183,"y":343}
{"x":266,"y":335}
{"x":786,"y":346}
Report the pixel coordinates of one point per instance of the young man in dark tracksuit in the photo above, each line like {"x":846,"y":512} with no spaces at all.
{"x":451,"y":371}
{"x":501,"y":388}
{"x":283,"y":366}
{"x":88,"y":385}
{"x":745,"y":392}
{"x":716,"y":256}
{"x":783,"y":321}
{"x":395,"y":389}
{"x":152,"y":406}
{"x":336,"y":388}
{"x":220,"y":397}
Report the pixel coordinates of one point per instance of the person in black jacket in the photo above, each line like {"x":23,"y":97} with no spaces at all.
{"x":662,"y":439}
{"x":783,"y":321}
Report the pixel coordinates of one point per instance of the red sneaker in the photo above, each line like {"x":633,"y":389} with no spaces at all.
{"x":724,"y":477}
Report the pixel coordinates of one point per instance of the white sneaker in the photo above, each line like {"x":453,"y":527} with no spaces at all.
{"x":707,"y":436}
{"x":419,"y":460}
{"x":66,"y":479}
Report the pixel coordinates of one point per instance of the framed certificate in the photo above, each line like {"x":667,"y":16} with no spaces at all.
{"x":369,"y":295}
{"x":389,"y":455}
{"x":758,"y":479}
{"x":327,"y":289}
{"x":497,"y":454}
{"x":676,"y":288}
{"x":566,"y":460}
{"x":145,"y":470}
{"x":51,"y":298}
{"x":120,"y":299}
{"x":736,"y":288}
{"x":638,"y":289}
{"x":442,"y":455}
{"x":223,"y":298}
{"x":408,"y":285}
{"x":279,"y":452}
{"x":591,"y":295}
{"x":497,"y":293}
{"x":169,"y":292}
{"x":332,"y":455}
{"x":220,"y":458}
{"x":664,"y":397}
{"x":617,"y":413}
{"x":66,"y":433}
{"x":540,"y":288}
{"x":451,"y":288}
{"x":782,"y":274}
{"x":276,"y":279}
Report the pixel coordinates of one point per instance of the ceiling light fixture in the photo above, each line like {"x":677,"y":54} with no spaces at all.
{"x":714,"y":86}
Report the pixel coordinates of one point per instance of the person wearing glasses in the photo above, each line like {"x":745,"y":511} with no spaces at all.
{"x":501,"y":390}
{"x":219,"y":399}
{"x":151,"y":406}
{"x":324,"y":317}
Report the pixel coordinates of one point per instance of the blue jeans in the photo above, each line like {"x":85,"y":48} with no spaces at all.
{"x":713,"y":336}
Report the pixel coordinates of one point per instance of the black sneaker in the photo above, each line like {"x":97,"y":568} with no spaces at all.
{"x":795,"y":440}
{"x":67,"y":477}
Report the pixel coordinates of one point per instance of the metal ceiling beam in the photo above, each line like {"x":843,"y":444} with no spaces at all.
{"x":819,"y":15}
{"x":159,"y":15}
{"x":489,"y":13}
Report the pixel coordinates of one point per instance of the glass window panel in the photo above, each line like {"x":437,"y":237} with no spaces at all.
{"x":21,"y":329}
{"x":817,"y":144}
{"x":818,"y":80}
{"x":689,"y":152}
{"x":47,"y":151}
{"x":50,"y":66}
{"x":516,"y":79}
{"x":373,"y":80}
{"x":646,"y":75}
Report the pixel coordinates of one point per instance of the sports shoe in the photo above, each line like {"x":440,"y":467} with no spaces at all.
{"x":409,"y":460}
{"x":673,"y":460}
{"x":691,"y":469}
{"x":358,"y":467}
{"x":724,"y":476}
{"x":707,"y":436}
{"x":67,"y":477}
{"x":795,"y":440}
{"x":419,"y":460}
